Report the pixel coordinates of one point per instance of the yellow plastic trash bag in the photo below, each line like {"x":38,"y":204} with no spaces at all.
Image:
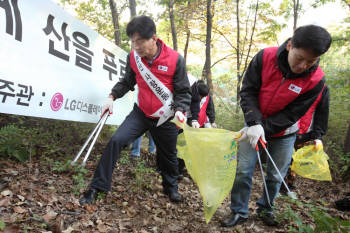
{"x":210,"y":157}
{"x":312,"y":164}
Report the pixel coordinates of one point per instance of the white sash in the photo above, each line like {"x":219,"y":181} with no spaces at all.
{"x":158,"y":89}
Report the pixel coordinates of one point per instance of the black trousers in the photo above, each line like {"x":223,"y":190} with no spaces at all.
{"x":135,"y":125}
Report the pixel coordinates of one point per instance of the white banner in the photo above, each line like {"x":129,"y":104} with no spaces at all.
{"x":54,"y":66}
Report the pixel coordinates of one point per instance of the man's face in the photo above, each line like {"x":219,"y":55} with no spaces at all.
{"x":144,"y":47}
{"x":300,"y":60}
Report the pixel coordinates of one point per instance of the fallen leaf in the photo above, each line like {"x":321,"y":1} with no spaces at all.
{"x":4,"y":202}
{"x":21,"y":197}
{"x":50,"y":215}
{"x":68,"y":230}
{"x":6,"y":193}
{"x":19,"y":210}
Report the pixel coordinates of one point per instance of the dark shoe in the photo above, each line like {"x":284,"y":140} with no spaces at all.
{"x":89,"y":196}
{"x":174,"y":196}
{"x":343,"y":204}
{"x":180,"y":177}
{"x":233,"y":220}
{"x":268,"y":219}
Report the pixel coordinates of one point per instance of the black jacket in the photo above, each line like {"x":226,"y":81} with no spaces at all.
{"x":195,"y":105}
{"x":320,"y":122}
{"x":250,"y":95}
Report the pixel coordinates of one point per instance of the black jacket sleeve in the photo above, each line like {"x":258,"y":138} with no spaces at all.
{"x":195,"y":102}
{"x":182,"y":89}
{"x":126,"y":83}
{"x":320,"y":122}
{"x":250,"y":91}
{"x":292,"y":112}
{"x":211,"y":110}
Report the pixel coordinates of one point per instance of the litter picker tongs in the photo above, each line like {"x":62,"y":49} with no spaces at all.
{"x":97,"y":130}
{"x":290,"y":194}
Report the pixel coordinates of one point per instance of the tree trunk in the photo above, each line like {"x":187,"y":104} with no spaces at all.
{"x":172,"y":23}
{"x":206,"y":73}
{"x":295,"y":13}
{"x":132,"y":7}
{"x":238,"y":63}
{"x":347,"y":141}
{"x":188,"y":35}
{"x":115,"y":18}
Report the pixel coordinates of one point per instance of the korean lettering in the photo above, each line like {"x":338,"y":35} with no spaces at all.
{"x":5,"y":4}
{"x":24,"y":94}
{"x":84,"y":55}
{"x":109,"y":65}
{"x":50,"y":28}
{"x":122,"y":67}
{"x":6,"y":89}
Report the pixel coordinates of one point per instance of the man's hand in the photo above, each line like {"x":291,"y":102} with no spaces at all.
{"x":195,"y":124}
{"x":318,"y":145}
{"x":213,"y":125}
{"x":254,"y":133}
{"x":243,"y":135}
{"x":108,"y":105}
{"x":180,"y":116}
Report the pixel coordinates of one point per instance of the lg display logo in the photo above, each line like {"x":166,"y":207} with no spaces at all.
{"x":56,"y":102}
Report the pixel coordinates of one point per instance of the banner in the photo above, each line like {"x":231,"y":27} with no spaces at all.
{"x":54,"y":66}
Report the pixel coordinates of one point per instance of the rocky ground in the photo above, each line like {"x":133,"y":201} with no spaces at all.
{"x":42,"y":195}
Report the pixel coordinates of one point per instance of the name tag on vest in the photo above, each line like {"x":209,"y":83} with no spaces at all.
{"x":294,"y":88}
{"x":163,"y":68}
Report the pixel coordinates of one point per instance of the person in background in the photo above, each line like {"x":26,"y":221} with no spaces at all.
{"x":164,"y":89}
{"x":136,"y":146}
{"x":202,"y":106}
{"x":279,"y":87}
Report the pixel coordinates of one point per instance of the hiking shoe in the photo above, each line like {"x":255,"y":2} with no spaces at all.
{"x":268,"y":219}
{"x":89,"y":196}
{"x":233,"y":220}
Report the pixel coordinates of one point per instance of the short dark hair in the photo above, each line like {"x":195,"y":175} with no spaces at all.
{"x":202,"y":88}
{"x":313,"y":38}
{"x":143,"y":25}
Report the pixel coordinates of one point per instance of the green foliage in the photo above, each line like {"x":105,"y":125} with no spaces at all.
{"x":22,"y":136}
{"x":2,"y":225}
{"x":79,"y":179}
{"x":335,"y":66}
{"x":323,"y":222}
{"x":143,"y":175}
{"x":14,"y":142}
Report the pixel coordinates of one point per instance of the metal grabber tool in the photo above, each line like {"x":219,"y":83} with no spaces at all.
{"x":97,"y":130}
{"x":290,"y":194}
{"x":262,"y":175}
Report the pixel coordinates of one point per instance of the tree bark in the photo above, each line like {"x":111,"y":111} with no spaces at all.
{"x":115,"y":18}
{"x":188,"y":35}
{"x":132,"y":7}
{"x":295,"y":13}
{"x":347,"y":141}
{"x":206,"y":73}
{"x":238,"y":65}
{"x":172,"y":23}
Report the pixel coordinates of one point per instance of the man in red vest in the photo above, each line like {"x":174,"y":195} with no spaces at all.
{"x":279,"y":86}
{"x":164,"y":91}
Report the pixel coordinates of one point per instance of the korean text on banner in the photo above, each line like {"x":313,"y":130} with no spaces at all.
{"x":54,"y":66}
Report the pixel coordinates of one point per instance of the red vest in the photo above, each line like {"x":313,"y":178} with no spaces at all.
{"x":277,"y":92}
{"x":202,"y":116}
{"x":305,"y":122}
{"x":163,"y":68}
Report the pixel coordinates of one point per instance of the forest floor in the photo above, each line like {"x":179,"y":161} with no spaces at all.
{"x":42,"y":195}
